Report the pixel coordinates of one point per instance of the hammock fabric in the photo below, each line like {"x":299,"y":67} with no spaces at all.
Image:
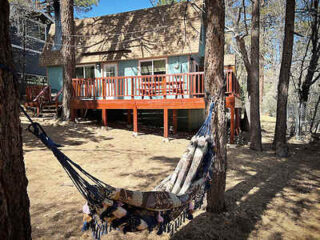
{"x":164,"y":208}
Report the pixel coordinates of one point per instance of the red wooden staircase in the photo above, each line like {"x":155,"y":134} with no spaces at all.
{"x":42,"y":101}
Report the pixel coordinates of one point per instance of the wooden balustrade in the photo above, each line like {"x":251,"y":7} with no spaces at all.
{"x":183,"y":85}
{"x":32,"y":91}
{"x":232,"y":84}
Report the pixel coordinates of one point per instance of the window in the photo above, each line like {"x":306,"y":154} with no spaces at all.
{"x":153,"y":67}
{"x":35,"y":29}
{"x":110,"y":70}
{"x":85,"y":71}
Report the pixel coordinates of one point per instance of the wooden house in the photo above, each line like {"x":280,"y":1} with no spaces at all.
{"x":145,"y":59}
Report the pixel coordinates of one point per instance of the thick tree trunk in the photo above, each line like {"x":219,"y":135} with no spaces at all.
{"x":261,"y":81}
{"x":255,"y":128}
{"x":280,"y":138}
{"x":68,"y":55}
{"x":214,"y":82}
{"x":14,"y":201}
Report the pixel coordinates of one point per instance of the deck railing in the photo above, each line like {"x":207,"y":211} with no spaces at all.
{"x":232,"y":84}
{"x":183,"y":85}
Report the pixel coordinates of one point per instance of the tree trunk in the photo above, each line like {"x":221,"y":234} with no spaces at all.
{"x":214,"y":82}
{"x":314,"y":115}
{"x":261,"y":81}
{"x":255,"y":128}
{"x":309,"y":80}
{"x":68,"y":55}
{"x":14,"y":201}
{"x":280,"y":138}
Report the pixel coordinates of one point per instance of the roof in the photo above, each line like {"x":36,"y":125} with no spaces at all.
{"x":153,"y":32}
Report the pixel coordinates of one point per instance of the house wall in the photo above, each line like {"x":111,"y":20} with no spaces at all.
{"x":202,"y":44}
{"x":55,"y":77}
{"x":178,"y":64}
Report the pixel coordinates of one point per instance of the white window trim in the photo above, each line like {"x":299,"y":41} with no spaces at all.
{"x":27,"y":49}
{"x":151,"y":60}
{"x":40,"y":24}
{"x":84,"y":70}
{"x":110,"y":64}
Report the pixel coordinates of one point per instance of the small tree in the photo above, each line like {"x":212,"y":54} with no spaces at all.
{"x":241,"y":31}
{"x":214,"y":85}
{"x":14,"y":201}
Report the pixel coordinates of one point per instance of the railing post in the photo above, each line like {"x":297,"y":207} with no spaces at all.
{"x":132,"y":87}
{"x":164,"y":84}
{"x":104,"y":86}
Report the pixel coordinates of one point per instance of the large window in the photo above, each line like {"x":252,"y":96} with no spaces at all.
{"x":85,"y":71}
{"x":153,"y":67}
{"x":35,"y":29}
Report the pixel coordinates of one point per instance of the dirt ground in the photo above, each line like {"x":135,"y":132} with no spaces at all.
{"x":267,"y":197}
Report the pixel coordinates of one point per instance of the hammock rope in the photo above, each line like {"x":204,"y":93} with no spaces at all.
{"x":164,"y":209}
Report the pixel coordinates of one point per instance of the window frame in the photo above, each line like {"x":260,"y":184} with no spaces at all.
{"x":84,"y":70}
{"x":115,"y":64}
{"x":152,"y":60}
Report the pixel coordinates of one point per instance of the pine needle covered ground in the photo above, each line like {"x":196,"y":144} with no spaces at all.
{"x":267,"y":197}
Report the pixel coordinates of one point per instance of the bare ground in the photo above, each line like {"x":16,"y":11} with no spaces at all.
{"x":267,"y":197}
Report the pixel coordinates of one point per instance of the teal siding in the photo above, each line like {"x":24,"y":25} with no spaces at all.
{"x":178,"y":64}
{"x":128,"y":68}
{"x":55,"y":77}
{"x":202,"y":42}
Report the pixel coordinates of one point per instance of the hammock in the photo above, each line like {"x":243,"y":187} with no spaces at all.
{"x":164,"y":208}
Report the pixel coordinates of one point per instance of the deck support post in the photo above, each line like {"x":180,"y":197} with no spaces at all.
{"x":129,"y":117}
{"x":105,"y":117}
{"x":135,"y":120}
{"x":232,"y":125}
{"x":238,"y":121}
{"x":165,"y":123}
{"x":73,"y":113}
{"x":175,"y":120}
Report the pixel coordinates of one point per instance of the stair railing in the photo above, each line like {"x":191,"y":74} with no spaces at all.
{"x":56,"y":99}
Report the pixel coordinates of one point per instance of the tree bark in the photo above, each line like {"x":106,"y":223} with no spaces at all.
{"x":309,"y":80}
{"x":68,"y":53}
{"x":314,"y":115}
{"x":255,"y":128}
{"x":280,"y":138}
{"x":14,"y":201}
{"x":261,"y":80}
{"x":214,"y":82}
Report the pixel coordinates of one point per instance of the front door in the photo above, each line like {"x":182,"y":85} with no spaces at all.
{"x":109,"y":72}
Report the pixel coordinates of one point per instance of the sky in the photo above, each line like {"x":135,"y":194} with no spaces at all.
{"x":106,"y":7}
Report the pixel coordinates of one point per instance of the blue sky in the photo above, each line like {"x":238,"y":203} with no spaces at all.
{"x":106,"y":7}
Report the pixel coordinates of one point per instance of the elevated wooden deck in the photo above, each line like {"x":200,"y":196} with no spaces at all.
{"x":166,"y":92}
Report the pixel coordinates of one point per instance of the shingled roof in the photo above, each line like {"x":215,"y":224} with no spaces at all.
{"x":153,"y":32}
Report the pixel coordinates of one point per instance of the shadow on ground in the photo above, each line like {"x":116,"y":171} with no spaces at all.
{"x":263,"y":179}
